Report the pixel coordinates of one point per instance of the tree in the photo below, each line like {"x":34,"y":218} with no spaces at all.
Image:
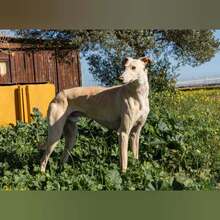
{"x":105,"y":50}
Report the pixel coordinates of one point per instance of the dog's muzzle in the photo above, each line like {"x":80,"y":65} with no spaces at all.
{"x":121,"y":78}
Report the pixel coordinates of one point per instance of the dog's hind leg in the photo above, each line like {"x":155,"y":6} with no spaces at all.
{"x":70,"y":132}
{"x":56,"y":119}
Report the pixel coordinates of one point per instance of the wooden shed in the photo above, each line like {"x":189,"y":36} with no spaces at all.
{"x":31,"y":72}
{"x":25,"y":61}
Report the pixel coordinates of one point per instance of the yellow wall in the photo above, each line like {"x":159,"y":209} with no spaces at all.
{"x":39,"y":96}
{"x":17,"y":102}
{"x":9,"y":110}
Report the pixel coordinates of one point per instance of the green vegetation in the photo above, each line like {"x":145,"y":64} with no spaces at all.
{"x":179,"y":150}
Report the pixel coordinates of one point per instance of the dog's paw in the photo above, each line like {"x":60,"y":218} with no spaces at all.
{"x":42,"y":170}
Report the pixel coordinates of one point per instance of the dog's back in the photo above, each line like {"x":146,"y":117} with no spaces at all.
{"x":99,"y":103}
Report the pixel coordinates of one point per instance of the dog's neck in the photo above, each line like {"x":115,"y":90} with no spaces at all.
{"x":140,"y":85}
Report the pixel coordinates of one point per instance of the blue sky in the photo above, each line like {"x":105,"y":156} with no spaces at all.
{"x":87,"y":77}
{"x":210,"y":69}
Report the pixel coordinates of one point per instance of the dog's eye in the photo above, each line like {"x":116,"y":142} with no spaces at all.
{"x":133,"y":67}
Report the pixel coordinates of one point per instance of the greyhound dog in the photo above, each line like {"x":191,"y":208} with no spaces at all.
{"x":123,"y":108}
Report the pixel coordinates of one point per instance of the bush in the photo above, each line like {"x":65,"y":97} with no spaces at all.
{"x":179,"y":149}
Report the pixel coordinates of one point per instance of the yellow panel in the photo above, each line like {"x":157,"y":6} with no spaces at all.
{"x":17,"y":102}
{"x":20,"y":107}
{"x":8,"y":104}
{"x":25,"y":113}
{"x":39,"y":96}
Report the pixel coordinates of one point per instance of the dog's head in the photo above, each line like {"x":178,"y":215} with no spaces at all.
{"x":134,"y":69}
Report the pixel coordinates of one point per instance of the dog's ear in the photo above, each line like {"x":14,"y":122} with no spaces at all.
{"x":126,"y":61}
{"x":146,"y":60}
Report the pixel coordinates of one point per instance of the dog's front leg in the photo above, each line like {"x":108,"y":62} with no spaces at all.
{"x":124,"y":132}
{"x":135,"y":136}
{"x":123,"y":142}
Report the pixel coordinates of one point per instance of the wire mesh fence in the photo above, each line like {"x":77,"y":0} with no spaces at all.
{"x":215,"y":81}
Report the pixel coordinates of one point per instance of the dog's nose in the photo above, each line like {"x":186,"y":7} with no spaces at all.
{"x":121,"y":78}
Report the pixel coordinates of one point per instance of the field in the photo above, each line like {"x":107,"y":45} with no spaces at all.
{"x":179,"y":150}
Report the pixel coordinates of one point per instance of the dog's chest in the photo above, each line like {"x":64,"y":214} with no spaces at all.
{"x":138,"y":107}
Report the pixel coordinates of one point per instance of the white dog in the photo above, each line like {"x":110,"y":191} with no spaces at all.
{"x":124,"y":108}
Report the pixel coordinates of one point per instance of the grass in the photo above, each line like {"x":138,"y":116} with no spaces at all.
{"x":179,"y":150}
